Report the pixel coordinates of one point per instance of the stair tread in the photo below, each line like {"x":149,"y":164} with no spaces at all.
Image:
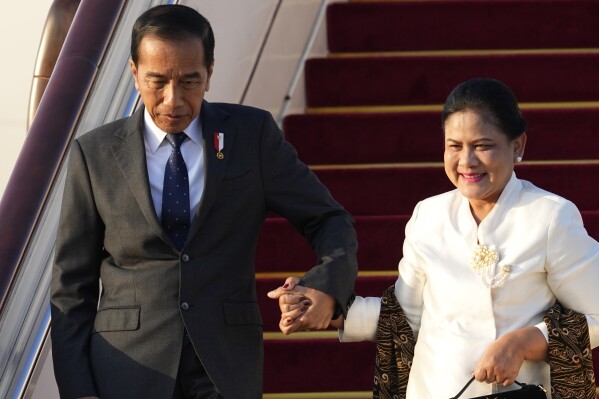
{"x":462,"y":52}
{"x":417,"y":136}
{"x":428,"y":80}
{"x":299,"y":359}
{"x":396,"y":190}
{"x":443,"y":24}
{"x":403,"y":108}
{"x":380,"y":89}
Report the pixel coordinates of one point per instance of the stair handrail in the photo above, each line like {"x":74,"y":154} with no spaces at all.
{"x":24,"y":319}
{"x":299,"y":68}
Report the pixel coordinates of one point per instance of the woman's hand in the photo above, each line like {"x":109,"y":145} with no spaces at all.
{"x":503,"y":359}
{"x":291,"y":303}
{"x":302,"y":308}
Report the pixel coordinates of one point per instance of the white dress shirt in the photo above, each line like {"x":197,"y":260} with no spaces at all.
{"x":158,"y":150}
{"x":454,"y":315}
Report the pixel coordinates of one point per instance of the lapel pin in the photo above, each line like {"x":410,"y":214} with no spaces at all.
{"x":219,"y":144}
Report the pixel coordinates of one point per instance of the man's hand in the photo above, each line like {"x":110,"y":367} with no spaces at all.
{"x":302,"y":308}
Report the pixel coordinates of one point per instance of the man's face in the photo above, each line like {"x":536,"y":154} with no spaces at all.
{"x":172,"y":78}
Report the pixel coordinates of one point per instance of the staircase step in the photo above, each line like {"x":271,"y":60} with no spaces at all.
{"x":403,"y":58}
{"x":432,"y":25}
{"x":366,"y":138}
{"x":319,"y":365}
{"x":282,"y":247}
{"x":380,"y":244}
{"x":412,"y":80}
{"x":320,"y":395}
{"x":382,"y":109}
{"x":297,"y":357}
{"x":341,"y":360}
{"x":396,"y":190}
{"x":352,"y":138}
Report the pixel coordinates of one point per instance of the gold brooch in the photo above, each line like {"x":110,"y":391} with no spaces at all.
{"x":485,"y":263}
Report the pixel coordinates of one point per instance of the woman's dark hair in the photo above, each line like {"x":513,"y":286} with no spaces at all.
{"x":491,"y":98}
{"x":173,"y":22}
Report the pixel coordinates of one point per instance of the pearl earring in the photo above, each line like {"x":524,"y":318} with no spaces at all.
{"x":518,"y":159}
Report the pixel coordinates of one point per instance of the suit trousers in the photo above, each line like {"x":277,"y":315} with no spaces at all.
{"x":192,"y":380}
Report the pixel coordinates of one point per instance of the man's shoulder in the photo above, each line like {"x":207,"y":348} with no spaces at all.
{"x":240,"y":110}
{"x":104,"y":132}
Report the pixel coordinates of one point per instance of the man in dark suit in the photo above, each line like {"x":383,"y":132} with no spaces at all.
{"x":153,"y":286}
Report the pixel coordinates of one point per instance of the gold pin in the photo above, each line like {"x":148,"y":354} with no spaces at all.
{"x":220,"y":155}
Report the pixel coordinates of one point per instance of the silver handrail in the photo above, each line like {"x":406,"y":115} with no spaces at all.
{"x":25,"y":318}
{"x":299,"y":68}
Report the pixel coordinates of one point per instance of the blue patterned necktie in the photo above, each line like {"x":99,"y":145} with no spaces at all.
{"x":175,"y":193}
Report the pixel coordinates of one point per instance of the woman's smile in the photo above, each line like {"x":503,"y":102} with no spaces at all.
{"x":473,"y":177}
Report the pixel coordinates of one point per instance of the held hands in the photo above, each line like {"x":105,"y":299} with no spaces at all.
{"x":302,"y":308}
{"x":503,"y":359}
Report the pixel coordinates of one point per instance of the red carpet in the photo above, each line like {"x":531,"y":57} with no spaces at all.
{"x":396,"y":190}
{"x":449,"y":25}
{"x":372,"y":161}
{"x":332,"y":82}
{"x":330,"y":139}
{"x":318,"y":365}
{"x":280,"y":241}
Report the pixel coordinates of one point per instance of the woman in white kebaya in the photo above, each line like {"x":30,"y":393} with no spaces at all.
{"x":483,"y":263}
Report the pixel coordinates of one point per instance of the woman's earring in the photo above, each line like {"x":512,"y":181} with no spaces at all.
{"x":518,"y":159}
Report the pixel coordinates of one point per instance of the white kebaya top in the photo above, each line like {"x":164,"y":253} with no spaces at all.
{"x":544,"y":252}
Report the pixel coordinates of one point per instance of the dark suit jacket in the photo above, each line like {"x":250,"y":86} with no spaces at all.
{"x":122,"y":338}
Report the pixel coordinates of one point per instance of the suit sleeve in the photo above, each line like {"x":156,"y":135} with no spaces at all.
{"x":75,"y":281}
{"x":294,"y":192}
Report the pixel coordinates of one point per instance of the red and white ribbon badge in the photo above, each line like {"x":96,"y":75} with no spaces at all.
{"x":219,"y":144}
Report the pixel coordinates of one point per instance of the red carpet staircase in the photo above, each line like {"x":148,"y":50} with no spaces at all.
{"x":372,"y":133}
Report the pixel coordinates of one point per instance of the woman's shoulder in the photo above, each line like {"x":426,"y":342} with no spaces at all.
{"x":532,"y":194}
{"x":543,"y":205}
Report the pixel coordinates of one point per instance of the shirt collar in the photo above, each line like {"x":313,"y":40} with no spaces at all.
{"x":154,"y":136}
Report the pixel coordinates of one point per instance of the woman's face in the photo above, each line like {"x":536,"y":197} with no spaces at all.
{"x":479,"y":158}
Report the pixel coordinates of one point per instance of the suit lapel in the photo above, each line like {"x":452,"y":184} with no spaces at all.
{"x":212,"y":122}
{"x":129,"y":154}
